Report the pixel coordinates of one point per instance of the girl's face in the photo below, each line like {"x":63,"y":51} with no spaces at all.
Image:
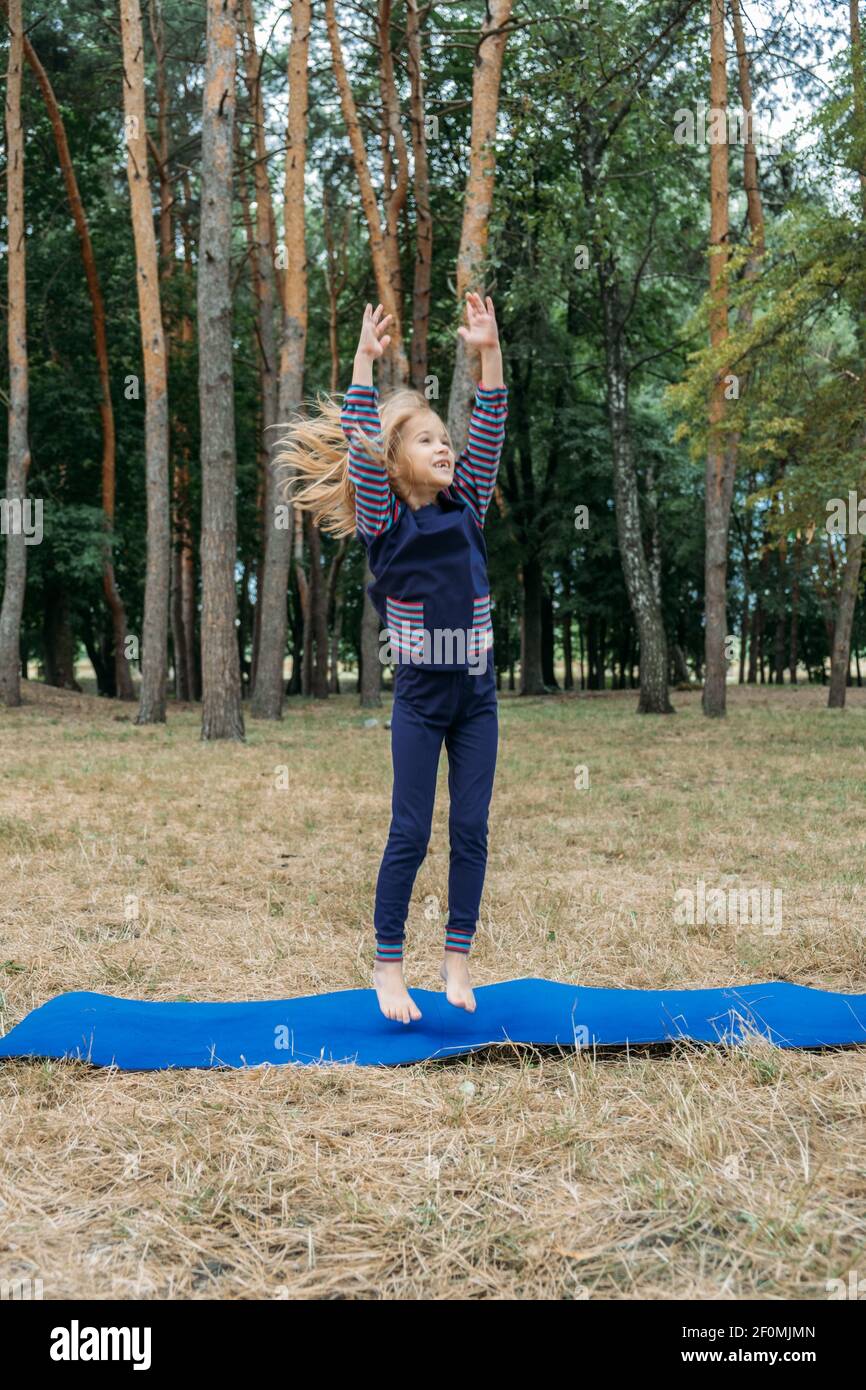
{"x":427,"y":447}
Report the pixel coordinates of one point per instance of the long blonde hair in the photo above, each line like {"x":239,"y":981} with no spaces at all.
{"x":313,"y":458}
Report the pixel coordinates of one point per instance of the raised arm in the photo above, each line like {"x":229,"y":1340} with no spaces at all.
{"x":476,"y":468}
{"x":376,"y":506}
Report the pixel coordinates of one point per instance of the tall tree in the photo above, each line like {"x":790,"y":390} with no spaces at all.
{"x":395,"y":158}
{"x":598,"y":117}
{"x":184,"y":560}
{"x":265,"y":281}
{"x":394,"y":362}
{"x":721,"y":459}
{"x":755,"y":217}
{"x":123,"y":685}
{"x":477,"y":203}
{"x":421,"y":190}
{"x":154,"y":643}
{"x":18,"y":459}
{"x":174,"y":334}
{"x":222,"y":716}
{"x":267,"y":700}
{"x":840,"y":660}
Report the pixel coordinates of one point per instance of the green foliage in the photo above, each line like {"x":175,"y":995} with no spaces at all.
{"x":586,"y":157}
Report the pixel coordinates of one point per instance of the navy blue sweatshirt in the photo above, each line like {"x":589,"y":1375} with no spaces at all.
{"x":429,"y":564}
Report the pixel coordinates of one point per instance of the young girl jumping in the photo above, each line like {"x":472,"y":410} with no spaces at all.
{"x":420,"y":514}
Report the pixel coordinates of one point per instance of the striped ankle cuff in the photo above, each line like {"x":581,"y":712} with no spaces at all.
{"x":458,"y":939}
{"x":389,"y":950}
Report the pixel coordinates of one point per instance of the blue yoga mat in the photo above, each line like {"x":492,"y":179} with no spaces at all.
{"x":141,"y":1035}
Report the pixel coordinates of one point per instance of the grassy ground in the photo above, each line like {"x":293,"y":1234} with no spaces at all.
{"x":139,"y":862}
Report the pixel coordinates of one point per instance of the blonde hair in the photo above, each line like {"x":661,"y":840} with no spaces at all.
{"x":314,"y":458}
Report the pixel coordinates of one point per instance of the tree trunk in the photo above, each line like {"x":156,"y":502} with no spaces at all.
{"x":781,"y":624}
{"x":58,"y":640}
{"x":263,"y":243}
{"x":334,"y":615}
{"x":394,"y":365}
{"x":178,"y":337}
{"x":757,"y":631}
{"x":336,"y":275}
{"x":840,"y":662}
{"x":531,"y":628}
{"x":744,"y":638}
{"x":477,"y":205}
{"x":18,"y":458}
{"x":296,"y":630}
{"x":642,"y":578}
{"x":222,"y":716}
{"x":793,"y":659}
{"x":421,"y":190}
{"x":182,"y":674}
{"x":154,"y":643}
{"x":183,"y":520}
{"x":395,"y":160}
{"x":123,"y":675}
{"x":316,"y":645}
{"x":567,"y":647}
{"x":548,"y":635}
{"x":641,"y":588}
{"x":282,"y":526}
{"x":99,"y":652}
{"x":371,"y":667}
{"x":721,"y":455}
{"x":681,"y":670}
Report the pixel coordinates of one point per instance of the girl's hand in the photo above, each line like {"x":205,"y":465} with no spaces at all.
{"x":482,"y":332}
{"x":372,"y":343}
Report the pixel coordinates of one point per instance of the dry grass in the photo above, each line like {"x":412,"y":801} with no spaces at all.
{"x":696,"y":1174}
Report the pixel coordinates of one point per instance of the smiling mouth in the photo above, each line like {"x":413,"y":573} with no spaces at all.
{"x":443,"y":467}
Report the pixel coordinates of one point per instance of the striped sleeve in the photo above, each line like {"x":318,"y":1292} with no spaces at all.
{"x":376,"y":506}
{"x":475,"y":470}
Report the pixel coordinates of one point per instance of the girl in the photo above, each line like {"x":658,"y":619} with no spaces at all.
{"x":420,"y":513}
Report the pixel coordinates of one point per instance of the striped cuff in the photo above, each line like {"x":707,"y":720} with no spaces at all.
{"x":389,"y":950}
{"x":458,"y":939}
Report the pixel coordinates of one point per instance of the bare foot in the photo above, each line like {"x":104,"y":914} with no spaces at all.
{"x":455,"y":972}
{"x":394,"y":999}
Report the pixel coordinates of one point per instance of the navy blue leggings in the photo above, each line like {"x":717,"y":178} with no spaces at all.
{"x":431,"y":706}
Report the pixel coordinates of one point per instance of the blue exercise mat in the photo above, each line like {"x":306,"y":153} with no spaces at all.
{"x":141,"y":1035}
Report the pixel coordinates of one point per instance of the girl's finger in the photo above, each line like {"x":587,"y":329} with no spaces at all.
{"x":490,"y":309}
{"x":383,"y":342}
